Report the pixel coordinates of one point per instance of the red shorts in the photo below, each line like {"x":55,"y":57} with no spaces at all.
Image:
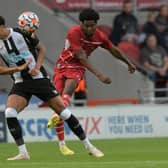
{"x":60,"y":75}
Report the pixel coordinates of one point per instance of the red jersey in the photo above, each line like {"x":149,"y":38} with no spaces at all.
{"x":77,"y":40}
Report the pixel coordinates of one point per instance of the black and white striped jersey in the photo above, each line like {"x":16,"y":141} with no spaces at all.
{"x":16,"y":49}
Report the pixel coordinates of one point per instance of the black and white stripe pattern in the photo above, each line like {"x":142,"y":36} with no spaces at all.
{"x":16,"y":49}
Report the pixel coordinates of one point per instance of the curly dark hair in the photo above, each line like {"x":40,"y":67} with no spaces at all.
{"x":89,"y":14}
{"x":2,"y":21}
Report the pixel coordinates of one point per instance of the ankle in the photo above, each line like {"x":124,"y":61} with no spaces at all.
{"x":61,"y":143}
{"x":87,"y":143}
{"x":23,"y":149}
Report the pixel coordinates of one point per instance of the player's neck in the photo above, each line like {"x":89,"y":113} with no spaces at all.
{"x":89,"y":37}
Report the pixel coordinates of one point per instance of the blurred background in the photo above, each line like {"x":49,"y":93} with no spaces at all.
{"x":133,"y":106}
{"x":56,"y":16}
{"x":138,"y":27}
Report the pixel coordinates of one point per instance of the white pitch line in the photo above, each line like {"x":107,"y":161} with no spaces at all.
{"x":90,"y":163}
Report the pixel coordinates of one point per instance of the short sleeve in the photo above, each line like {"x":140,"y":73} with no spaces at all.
{"x":73,"y":40}
{"x":107,"y":44}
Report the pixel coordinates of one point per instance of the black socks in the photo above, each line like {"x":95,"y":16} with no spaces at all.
{"x":75,"y":126}
{"x":15,"y":129}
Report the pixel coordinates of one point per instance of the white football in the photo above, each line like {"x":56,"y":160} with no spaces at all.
{"x":28,"y":21}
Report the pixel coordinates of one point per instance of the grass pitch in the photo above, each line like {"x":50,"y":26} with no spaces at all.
{"x":119,"y":153}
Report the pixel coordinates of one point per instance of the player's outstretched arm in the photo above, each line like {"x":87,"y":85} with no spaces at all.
{"x":119,"y":55}
{"x":81,"y":56}
{"x":10,"y":70}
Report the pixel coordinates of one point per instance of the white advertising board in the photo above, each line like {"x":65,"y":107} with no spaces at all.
{"x":106,"y":122}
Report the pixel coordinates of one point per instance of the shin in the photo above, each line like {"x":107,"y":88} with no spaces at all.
{"x":73,"y":123}
{"x":14,"y":125}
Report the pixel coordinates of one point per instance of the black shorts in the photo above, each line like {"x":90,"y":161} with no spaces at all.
{"x":42,"y":88}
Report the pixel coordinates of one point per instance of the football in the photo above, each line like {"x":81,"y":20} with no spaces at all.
{"x":28,"y":21}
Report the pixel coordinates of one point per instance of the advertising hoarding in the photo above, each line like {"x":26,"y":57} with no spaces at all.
{"x":107,"y":122}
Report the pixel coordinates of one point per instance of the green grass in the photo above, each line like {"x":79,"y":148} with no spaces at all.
{"x":119,"y":153}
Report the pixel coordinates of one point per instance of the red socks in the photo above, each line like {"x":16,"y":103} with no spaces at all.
{"x":60,"y":126}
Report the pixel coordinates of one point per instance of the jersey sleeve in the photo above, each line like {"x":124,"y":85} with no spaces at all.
{"x":73,"y":38}
{"x":107,"y":44}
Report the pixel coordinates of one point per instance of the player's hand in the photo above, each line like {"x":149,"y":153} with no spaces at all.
{"x":104,"y":79}
{"x":24,"y":66}
{"x":131,"y":68}
{"x":161,"y":71}
{"x":34,"y":72}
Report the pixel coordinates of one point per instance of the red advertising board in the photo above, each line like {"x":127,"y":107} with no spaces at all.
{"x":73,"y":4}
{"x":99,"y":4}
{"x":108,"y":4}
{"x":66,"y":4}
{"x":150,"y":3}
{"x":117,"y":4}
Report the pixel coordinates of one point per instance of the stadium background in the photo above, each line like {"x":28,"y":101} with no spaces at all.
{"x":55,"y":25}
{"x":100,"y":122}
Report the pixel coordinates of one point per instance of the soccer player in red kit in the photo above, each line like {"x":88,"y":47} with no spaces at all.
{"x":70,"y":67}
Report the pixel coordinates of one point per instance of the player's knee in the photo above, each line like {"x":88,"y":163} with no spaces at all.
{"x":65,"y":114}
{"x":66,"y":99}
{"x":10,"y":112}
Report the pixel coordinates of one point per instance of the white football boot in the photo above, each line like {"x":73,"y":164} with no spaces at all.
{"x":20,"y":156}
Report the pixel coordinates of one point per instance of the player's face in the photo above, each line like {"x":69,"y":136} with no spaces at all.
{"x":88,"y":27}
{"x":3,"y":32}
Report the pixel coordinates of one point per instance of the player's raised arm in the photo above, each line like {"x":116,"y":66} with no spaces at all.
{"x":81,"y":55}
{"x":119,"y":55}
